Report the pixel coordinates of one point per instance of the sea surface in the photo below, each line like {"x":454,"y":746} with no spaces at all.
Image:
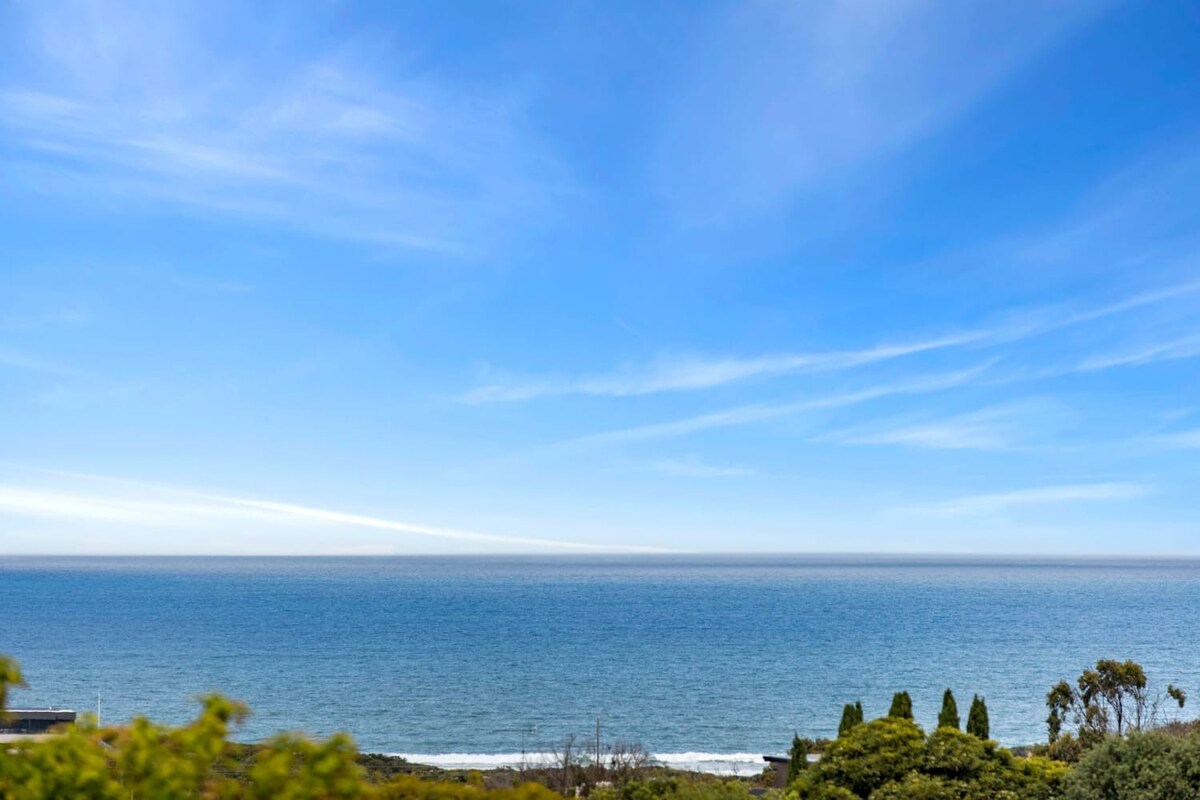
{"x":708,"y":662}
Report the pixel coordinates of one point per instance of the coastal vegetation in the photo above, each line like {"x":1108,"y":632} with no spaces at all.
{"x":1109,"y":739}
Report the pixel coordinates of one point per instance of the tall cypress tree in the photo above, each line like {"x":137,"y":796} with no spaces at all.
{"x":901,"y":706}
{"x":948,"y":718}
{"x":797,"y":758}
{"x":851,"y":716}
{"x":977,"y":718}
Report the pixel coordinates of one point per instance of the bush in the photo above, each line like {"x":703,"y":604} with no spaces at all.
{"x":1142,"y":766}
{"x":889,"y":759}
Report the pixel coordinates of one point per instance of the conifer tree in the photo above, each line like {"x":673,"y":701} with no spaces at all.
{"x":797,"y":758}
{"x":948,"y":718}
{"x":901,"y":706}
{"x":851,"y":716}
{"x":977,"y":718}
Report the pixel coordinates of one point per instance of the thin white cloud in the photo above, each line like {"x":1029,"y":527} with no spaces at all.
{"x":142,"y":504}
{"x":155,"y":108}
{"x":985,"y":504}
{"x":693,"y":373}
{"x":780,"y":98}
{"x":17,"y":359}
{"x":693,"y":467}
{"x":1182,"y":439}
{"x":1003,"y":427}
{"x":1173,"y":350}
{"x":964,"y":433}
{"x":748,"y":414}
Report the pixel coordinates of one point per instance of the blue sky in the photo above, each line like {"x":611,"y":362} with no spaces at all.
{"x":575,"y":277}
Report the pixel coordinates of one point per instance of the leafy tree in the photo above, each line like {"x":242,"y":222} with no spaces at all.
{"x":1143,"y":766}
{"x":851,"y":716}
{"x":901,"y":706}
{"x":891,"y":759}
{"x":977,"y":718}
{"x":147,"y":761}
{"x":1110,"y":699}
{"x":858,"y":712}
{"x":797,"y":757}
{"x":948,"y":717}
{"x":10,"y":675}
{"x":867,"y":757}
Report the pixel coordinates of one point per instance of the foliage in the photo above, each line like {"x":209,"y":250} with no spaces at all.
{"x":1111,"y":699}
{"x":147,"y":761}
{"x":901,"y":706}
{"x":798,"y":757}
{"x":10,"y":675}
{"x":948,"y":716}
{"x":1149,"y":765}
{"x":977,"y":718}
{"x":852,"y":714}
{"x":669,"y":788}
{"x":891,"y":758}
{"x":865,"y":758}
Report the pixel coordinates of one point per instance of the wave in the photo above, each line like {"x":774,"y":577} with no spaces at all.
{"x":711,"y":763}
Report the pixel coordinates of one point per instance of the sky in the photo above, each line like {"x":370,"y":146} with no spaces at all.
{"x":576,"y":277}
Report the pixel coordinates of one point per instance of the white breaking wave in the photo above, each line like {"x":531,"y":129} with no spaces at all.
{"x":711,"y":763}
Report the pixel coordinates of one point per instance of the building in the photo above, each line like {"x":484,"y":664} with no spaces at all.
{"x":32,"y":721}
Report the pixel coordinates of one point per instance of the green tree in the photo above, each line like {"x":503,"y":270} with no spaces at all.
{"x":891,"y":759}
{"x":10,"y":675}
{"x":851,"y":716}
{"x":1143,"y":766}
{"x":858,"y":712}
{"x":797,"y":758}
{"x":977,"y":719}
{"x":901,"y":706}
{"x":948,"y":717}
{"x":1111,"y":698}
{"x":869,"y":756}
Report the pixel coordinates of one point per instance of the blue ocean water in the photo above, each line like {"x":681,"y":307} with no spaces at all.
{"x":458,"y":659}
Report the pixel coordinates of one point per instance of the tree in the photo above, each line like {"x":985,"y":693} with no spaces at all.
{"x":1110,"y":699}
{"x":10,"y":675}
{"x":1060,"y":700}
{"x":948,"y":718}
{"x":891,"y":759}
{"x":977,"y":718}
{"x":858,"y":712}
{"x":1144,"y":766}
{"x":851,"y":716}
{"x":901,"y":706}
{"x":868,"y":757}
{"x":797,"y":758}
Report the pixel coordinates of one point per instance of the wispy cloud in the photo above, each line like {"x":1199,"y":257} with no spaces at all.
{"x":693,"y":372}
{"x":144,"y":504}
{"x":17,"y":359}
{"x":690,"y":373}
{"x":804,"y":91}
{"x":1184,"y":439}
{"x":1010,"y":426}
{"x":748,"y":414}
{"x":693,"y":467}
{"x":149,"y":106}
{"x":1173,"y":350}
{"x":984,"y":504}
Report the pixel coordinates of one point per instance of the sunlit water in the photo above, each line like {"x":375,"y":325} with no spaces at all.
{"x":706,"y":661}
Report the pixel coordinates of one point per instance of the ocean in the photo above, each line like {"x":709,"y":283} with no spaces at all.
{"x":708,"y":662}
